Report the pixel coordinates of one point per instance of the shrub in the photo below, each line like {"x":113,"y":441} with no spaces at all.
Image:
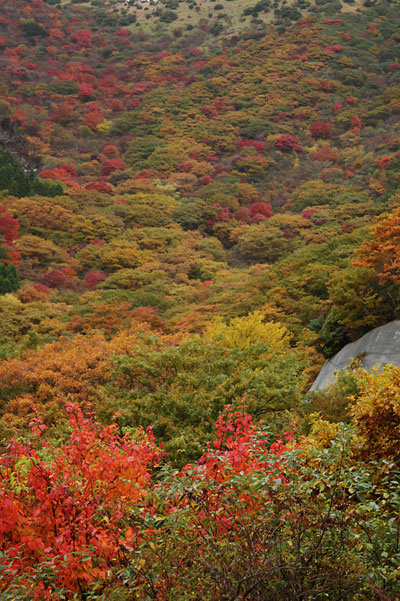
{"x":321,"y":130}
{"x":288,"y":143}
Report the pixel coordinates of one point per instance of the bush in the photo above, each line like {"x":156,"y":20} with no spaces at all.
{"x":32,"y":29}
{"x":376,"y":414}
{"x":168,"y":16}
{"x":321,"y":130}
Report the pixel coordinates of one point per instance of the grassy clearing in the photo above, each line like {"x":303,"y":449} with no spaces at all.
{"x":192,"y":13}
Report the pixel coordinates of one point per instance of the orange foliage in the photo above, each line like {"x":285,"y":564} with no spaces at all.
{"x":382,"y":253}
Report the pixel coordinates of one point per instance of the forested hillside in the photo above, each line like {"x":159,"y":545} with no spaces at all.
{"x":199,"y":203}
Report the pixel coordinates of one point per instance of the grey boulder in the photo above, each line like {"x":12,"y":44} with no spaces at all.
{"x":377,"y":347}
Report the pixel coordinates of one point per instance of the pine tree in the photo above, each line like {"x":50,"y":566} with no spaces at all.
{"x":9,"y":280}
{"x":12,"y":277}
{"x":17,"y":183}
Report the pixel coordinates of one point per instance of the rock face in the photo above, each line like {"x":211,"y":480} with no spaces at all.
{"x":379,"y":346}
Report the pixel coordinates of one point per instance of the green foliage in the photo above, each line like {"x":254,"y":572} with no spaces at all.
{"x":180,"y":390}
{"x":9,"y":280}
{"x":168,"y":16}
{"x":360,"y":304}
{"x":17,"y":183}
{"x":64,"y":87}
{"x":20,"y":321}
{"x":257,"y":8}
{"x":333,"y":403}
{"x":315,"y":521}
{"x":320,"y":193}
{"x":263,"y":243}
{"x":32,"y":29}
{"x":139,"y":149}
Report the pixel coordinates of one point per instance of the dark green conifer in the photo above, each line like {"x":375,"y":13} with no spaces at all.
{"x":18,"y":183}
{"x":9,"y":280}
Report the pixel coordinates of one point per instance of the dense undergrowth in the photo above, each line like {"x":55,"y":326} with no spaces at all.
{"x":196,"y":211}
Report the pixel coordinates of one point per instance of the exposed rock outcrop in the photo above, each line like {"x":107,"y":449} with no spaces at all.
{"x":377,"y":347}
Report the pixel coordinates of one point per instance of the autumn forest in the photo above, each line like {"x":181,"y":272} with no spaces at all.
{"x":199,"y":205}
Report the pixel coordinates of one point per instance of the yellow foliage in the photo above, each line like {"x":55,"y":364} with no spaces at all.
{"x":9,"y":301}
{"x":289,"y":221}
{"x":238,"y":231}
{"x":394,"y":105}
{"x":394,"y":201}
{"x":39,"y":212}
{"x":243,"y":332}
{"x":247,"y":193}
{"x":376,"y":186}
{"x":376,"y":413}
{"x":38,"y":250}
{"x":350,"y":155}
{"x":104,"y":126}
{"x":323,"y":432}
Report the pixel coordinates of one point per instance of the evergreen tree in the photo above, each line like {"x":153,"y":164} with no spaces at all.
{"x":17,"y":183}
{"x":9,"y":280}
